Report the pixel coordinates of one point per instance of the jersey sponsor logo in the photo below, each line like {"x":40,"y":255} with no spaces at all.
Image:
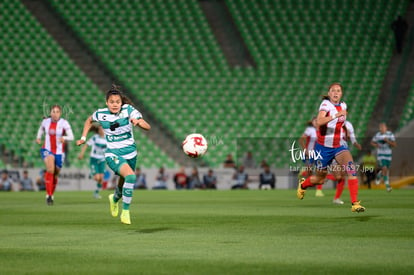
{"x":114,"y":125}
{"x":118,"y":137}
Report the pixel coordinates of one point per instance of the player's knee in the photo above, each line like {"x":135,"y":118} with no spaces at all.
{"x":50,"y":170}
{"x":319,"y":179}
{"x":350,"y":169}
{"x":130,"y":178}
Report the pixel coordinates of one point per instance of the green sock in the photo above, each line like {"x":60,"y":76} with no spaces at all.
{"x":98,"y":188}
{"x":126,"y":197}
{"x":379,"y":175}
{"x":127,"y":191}
{"x":117,"y":194}
{"x":386,"y":181}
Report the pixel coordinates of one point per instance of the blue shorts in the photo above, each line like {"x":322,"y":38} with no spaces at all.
{"x":58,"y":158}
{"x":325,"y":155}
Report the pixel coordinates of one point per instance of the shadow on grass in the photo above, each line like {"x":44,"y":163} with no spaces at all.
{"x":154,"y":230}
{"x":362,"y":218}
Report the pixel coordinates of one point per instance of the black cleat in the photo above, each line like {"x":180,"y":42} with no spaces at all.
{"x":49,"y":200}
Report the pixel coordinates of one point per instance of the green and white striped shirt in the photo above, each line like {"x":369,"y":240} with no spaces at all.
{"x":98,"y":146}
{"x":118,"y":130}
{"x":384,"y":150}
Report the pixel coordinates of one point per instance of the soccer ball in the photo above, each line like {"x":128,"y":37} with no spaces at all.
{"x":195,"y":145}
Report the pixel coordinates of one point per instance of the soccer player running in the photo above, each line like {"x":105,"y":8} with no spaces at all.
{"x":57,"y":131}
{"x":330,"y":119}
{"x":384,"y":140}
{"x":117,"y":120}
{"x":97,"y":157}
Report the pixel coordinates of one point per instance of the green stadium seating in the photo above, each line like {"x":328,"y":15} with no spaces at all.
{"x":36,"y":73}
{"x":165,"y":52}
{"x":408,"y":111}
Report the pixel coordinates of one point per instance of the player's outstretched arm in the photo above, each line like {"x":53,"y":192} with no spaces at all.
{"x":141,"y":123}
{"x":86,"y":127}
{"x":82,"y":153}
{"x":358,"y":146}
{"x":374,"y":144}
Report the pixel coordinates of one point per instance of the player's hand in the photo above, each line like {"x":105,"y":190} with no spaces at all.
{"x":80,"y":142}
{"x":342,"y":113}
{"x":134,"y":121}
{"x":80,"y":156}
{"x":141,"y":123}
{"x":38,"y":141}
{"x":358,"y":146}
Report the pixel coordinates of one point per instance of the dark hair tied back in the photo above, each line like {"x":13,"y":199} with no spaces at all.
{"x":116,"y":90}
{"x":113,"y":91}
{"x":115,"y":87}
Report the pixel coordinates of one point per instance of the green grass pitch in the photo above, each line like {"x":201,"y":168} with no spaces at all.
{"x":208,"y":232}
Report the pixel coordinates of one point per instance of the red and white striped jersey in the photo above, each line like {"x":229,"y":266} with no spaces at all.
{"x":53,"y":131}
{"x":330,"y":134}
{"x":310,"y":133}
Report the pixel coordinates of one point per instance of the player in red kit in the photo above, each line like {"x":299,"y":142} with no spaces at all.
{"x":331,"y":117}
{"x":57,"y":131}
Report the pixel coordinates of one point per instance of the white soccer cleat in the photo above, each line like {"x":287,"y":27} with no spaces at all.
{"x":337,"y":201}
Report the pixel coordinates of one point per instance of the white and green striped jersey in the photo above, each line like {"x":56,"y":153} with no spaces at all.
{"x":384,"y":150}
{"x":98,"y":146}
{"x":118,"y":130}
